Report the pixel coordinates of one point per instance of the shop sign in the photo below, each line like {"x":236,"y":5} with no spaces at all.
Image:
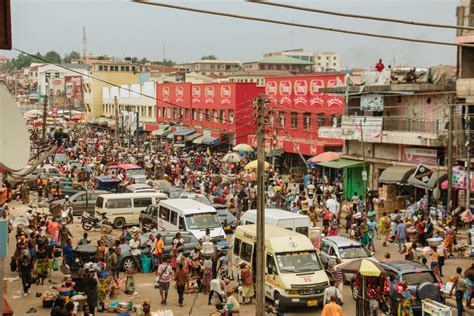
{"x":420,"y":155}
{"x":370,"y":128}
{"x":371,"y":102}
{"x":423,"y":174}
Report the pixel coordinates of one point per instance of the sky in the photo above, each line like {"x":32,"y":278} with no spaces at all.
{"x":122,"y":28}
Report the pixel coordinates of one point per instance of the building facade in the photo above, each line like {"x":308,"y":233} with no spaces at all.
{"x":322,"y":61}
{"x":280,"y":63}
{"x":213,"y":67}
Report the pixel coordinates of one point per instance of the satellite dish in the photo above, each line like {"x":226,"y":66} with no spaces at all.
{"x":14,"y":137}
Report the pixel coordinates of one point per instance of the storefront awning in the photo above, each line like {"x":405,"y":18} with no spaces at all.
{"x":170,"y":136}
{"x":161,"y":131}
{"x":192,"y":136}
{"x":443,"y":175}
{"x":341,"y":164}
{"x":198,"y":140}
{"x":396,"y":175}
{"x":184,"y":132}
{"x":211,"y":141}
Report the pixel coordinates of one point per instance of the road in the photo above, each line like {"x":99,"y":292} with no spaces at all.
{"x":193,"y":304}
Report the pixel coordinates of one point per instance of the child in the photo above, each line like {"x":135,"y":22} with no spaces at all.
{"x":147,"y":307}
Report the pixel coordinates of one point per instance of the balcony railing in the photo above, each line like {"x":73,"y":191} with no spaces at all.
{"x":434,"y":126}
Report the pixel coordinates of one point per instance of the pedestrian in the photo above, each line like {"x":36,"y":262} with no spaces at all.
{"x":460,"y":287}
{"x":25,"y":267}
{"x":223,"y":261}
{"x":159,"y":246}
{"x":151,"y":243}
{"x":441,"y":253}
{"x":135,"y":251}
{"x":246,"y":281}
{"x":379,"y":66}
{"x":402,"y":235}
{"x":84,"y":240}
{"x":59,"y":307}
{"x":217,"y":287}
{"x":182,"y":281}
{"x":195,"y":259}
{"x":42,"y":264}
{"x":207,"y":274}
{"x":332,"y":308}
{"x":386,"y":258}
{"x":68,"y":253}
{"x":101,"y":251}
{"x":111,"y":262}
{"x":332,"y":291}
{"x":338,"y":276}
{"x":372,"y":226}
{"x":435,"y":262}
{"x":207,"y":236}
{"x":163,"y":280}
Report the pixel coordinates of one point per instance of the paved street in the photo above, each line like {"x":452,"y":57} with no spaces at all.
{"x":145,"y":285}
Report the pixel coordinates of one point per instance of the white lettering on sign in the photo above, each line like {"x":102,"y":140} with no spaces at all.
{"x":209,"y":94}
{"x":165,"y":91}
{"x":179,"y":91}
{"x":285,"y":92}
{"x":313,"y":149}
{"x":301,"y":89}
{"x":315,"y":85}
{"x":271,"y":88}
{"x":196,"y":93}
{"x":226,"y":93}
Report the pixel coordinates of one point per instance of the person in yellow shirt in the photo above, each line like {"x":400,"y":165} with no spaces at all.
{"x":159,"y":245}
{"x":332,"y":309}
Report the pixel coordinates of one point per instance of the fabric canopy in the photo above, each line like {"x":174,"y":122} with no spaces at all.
{"x":192,"y":136}
{"x":161,"y":131}
{"x":341,"y":164}
{"x":198,"y":140}
{"x":443,"y":175}
{"x":365,"y":267}
{"x":211,"y":141}
{"x":170,"y":136}
{"x":396,"y":174}
{"x":184,"y":132}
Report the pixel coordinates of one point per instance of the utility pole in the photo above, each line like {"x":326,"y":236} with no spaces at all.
{"x":117,"y":135}
{"x":362,"y":121}
{"x":260,"y":269}
{"x":45,"y":113}
{"x":450,"y":158}
{"x":468,"y":160}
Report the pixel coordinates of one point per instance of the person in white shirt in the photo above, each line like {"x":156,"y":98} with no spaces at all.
{"x":333,"y":205}
{"x":135,"y":250}
{"x":331,"y":291}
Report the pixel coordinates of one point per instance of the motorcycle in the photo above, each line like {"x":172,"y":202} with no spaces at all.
{"x":89,"y":222}
{"x":66,"y":214}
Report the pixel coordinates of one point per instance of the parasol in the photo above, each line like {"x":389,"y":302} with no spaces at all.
{"x":243,"y":147}
{"x":251,"y":166}
{"x":71,"y":123}
{"x":231,"y":157}
{"x":325,"y":157}
{"x":363,"y":266}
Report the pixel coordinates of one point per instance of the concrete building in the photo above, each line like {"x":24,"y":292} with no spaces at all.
{"x":215,"y":67}
{"x":322,"y":61}
{"x":280,"y":63}
{"x":119,"y":73}
{"x":256,"y":76}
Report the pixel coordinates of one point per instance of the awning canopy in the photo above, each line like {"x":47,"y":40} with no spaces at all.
{"x":443,"y":175}
{"x":211,"y":141}
{"x":396,"y":175}
{"x":184,"y":132}
{"x":341,"y":164}
{"x":170,"y":136}
{"x":192,"y":136}
{"x":161,"y":131}
{"x":198,"y":140}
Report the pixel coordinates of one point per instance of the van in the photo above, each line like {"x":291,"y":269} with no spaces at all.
{"x":124,"y":209}
{"x":294,"y":274}
{"x":132,"y":171}
{"x":281,"y":218}
{"x":192,"y":216}
{"x":138,"y":188}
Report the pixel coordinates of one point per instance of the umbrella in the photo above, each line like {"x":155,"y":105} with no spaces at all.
{"x":363,"y":266}
{"x":77,"y":117}
{"x":32,"y":113}
{"x":253,"y":165}
{"x":71,"y":123}
{"x":243,"y":147}
{"x":231,"y":157}
{"x":325,"y":157}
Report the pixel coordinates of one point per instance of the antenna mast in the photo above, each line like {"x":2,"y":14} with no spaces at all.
{"x":84,"y":45}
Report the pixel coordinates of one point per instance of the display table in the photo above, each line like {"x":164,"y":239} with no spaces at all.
{"x":433,"y":308}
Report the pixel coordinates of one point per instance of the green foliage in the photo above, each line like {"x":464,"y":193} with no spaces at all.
{"x":53,"y":57}
{"x":166,"y":62}
{"x":209,"y":57}
{"x":72,"y":55}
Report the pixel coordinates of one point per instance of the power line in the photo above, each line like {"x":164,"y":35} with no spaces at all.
{"x":308,"y":26}
{"x":120,"y":87}
{"x":365,"y":17}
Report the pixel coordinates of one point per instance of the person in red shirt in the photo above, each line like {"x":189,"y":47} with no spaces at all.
{"x":380,"y":66}
{"x":420,"y":227}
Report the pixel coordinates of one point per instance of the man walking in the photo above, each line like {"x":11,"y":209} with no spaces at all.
{"x":402,"y":235}
{"x":181,"y":283}
{"x":135,"y":251}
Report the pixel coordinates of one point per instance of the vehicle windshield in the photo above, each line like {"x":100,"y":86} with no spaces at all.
{"x":200,"y":198}
{"x":135,"y":172}
{"x":353,"y":252}
{"x":419,"y":277}
{"x":202,"y":221}
{"x":294,"y":262}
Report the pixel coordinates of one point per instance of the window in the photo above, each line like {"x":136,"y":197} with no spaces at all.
{"x":182,"y":226}
{"x":246,"y":252}
{"x":163,"y":110}
{"x":119,"y":203}
{"x":186,"y":114}
{"x":127,"y":68}
{"x":334,"y":58}
{"x":174,"y":218}
{"x":164,"y":213}
{"x":133,"y":68}
{"x":320,"y":119}
{"x":208,"y":115}
{"x":271,"y":263}
{"x":231,"y":116}
{"x":237,"y":246}
{"x":307,"y":120}
{"x":99,"y":202}
{"x":271,"y":118}
{"x":302,"y":230}
{"x":222,"y":116}
{"x":154,"y":211}
{"x":101,"y":68}
{"x":294,"y":119}
{"x":216,"y":116}
{"x":334,"y":64}
{"x":142,"y":202}
{"x":281,"y":118}
{"x":194,"y":115}
{"x":122,"y":68}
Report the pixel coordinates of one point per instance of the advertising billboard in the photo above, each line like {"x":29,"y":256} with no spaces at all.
{"x":56,"y":92}
{"x":74,"y":94}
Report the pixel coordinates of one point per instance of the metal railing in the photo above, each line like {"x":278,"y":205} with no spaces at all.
{"x":435,"y":126}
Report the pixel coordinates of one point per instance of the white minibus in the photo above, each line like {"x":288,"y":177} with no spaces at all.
{"x":124,"y":209}
{"x":281,"y":218}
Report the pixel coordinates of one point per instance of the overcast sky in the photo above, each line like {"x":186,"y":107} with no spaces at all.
{"x":121,"y":28}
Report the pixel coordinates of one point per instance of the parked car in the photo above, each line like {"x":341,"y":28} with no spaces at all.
{"x":79,"y":201}
{"x":125,"y":259}
{"x":421,"y":280}
{"x":68,"y":188}
{"x":148,"y":217}
{"x":344,"y":248}
{"x":228,"y":220}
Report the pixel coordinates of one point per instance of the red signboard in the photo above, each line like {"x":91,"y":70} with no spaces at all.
{"x":215,"y":95}
{"x":74,"y":93}
{"x":303,"y":91}
{"x":169,"y":94}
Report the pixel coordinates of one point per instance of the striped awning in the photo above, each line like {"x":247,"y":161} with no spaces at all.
{"x":396,"y":175}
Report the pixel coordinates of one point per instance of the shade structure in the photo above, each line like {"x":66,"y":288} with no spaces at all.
{"x":211,"y":141}
{"x":170,"y":136}
{"x":184,"y":132}
{"x":231,"y":157}
{"x":78,"y":117}
{"x":432,"y":183}
{"x":363,"y":266}
{"x":243,"y":147}
{"x":71,"y":123}
{"x":161,"y":130}
{"x":325,"y":157}
{"x":396,"y":175}
{"x":342,"y":164}
{"x":251,"y":166}
{"x":33,"y":113}
{"x":199,"y":139}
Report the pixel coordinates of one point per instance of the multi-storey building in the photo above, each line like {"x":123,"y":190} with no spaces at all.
{"x":322,"y":61}
{"x":280,"y":63}
{"x":213,"y":67}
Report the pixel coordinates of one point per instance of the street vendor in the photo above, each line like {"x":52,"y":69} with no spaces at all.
{"x":406,"y":299}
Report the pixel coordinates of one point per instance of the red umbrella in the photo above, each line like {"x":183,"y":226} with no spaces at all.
{"x":325,"y":157}
{"x":77,"y":117}
{"x":71,"y":123}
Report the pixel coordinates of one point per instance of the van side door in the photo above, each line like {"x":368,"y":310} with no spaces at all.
{"x":164,"y":218}
{"x":270,"y":276}
{"x":140,"y":204}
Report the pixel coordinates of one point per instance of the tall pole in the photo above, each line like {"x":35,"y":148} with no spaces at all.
{"x":468,"y":160}
{"x":117,"y":135}
{"x":45,"y":113}
{"x":260,"y":277}
{"x":362,"y":121}
{"x":449,"y":203}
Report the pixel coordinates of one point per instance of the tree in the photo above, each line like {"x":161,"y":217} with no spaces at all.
{"x":166,"y":62}
{"x":134,"y":60}
{"x":72,"y":55}
{"x":143,"y":61}
{"x":209,"y":57}
{"x":53,"y":57}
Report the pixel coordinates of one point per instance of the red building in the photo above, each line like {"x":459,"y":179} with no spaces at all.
{"x":296,"y":111}
{"x":221,"y":111}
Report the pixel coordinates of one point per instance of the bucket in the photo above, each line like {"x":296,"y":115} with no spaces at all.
{"x":146,"y":264}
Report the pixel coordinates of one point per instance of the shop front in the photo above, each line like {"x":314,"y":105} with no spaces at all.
{"x":351,"y":172}
{"x":393,"y":188}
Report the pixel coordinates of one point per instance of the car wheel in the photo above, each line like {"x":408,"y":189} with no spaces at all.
{"x":128,"y":264}
{"x":119,"y":222}
{"x":277,"y":301}
{"x":87,"y":225}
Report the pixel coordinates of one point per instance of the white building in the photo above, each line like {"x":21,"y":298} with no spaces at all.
{"x":49,"y":71}
{"x":323,"y":61}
